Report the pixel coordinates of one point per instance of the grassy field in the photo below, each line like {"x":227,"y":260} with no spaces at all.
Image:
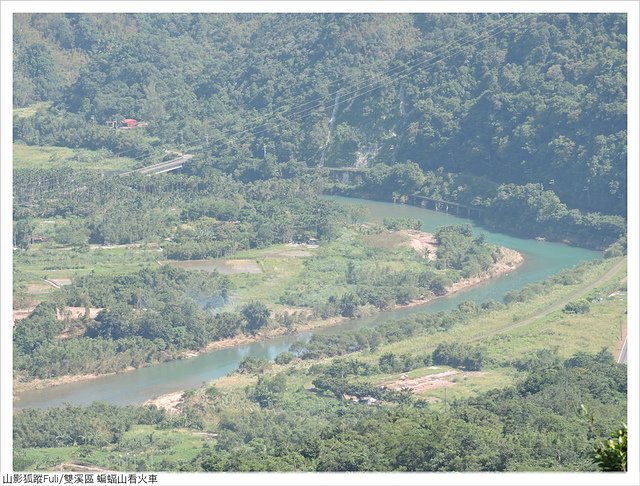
{"x":276,"y":276}
{"x":51,"y":157}
{"x":280,"y":265}
{"x":29,"y":111}
{"x":600,"y":328}
{"x":142,"y":448}
{"x":495,"y":322}
{"x":43,"y":458}
{"x":314,"y":273}
{"x":47,"y":261}
{"x":61,"y":264}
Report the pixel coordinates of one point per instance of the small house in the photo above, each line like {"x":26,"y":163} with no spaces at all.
{"x":129,"y":123}
{"x":125,"y":123}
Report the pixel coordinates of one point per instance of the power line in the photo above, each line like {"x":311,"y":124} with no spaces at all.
{"x":373,"y":86}
{"x":361,"y":88}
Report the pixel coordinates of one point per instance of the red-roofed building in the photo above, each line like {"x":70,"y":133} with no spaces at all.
{"x":116,"y":122}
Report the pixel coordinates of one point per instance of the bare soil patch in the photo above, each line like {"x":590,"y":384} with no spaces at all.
{"x":77,"y":312}
{"x":39,"y":288}
{"x":430,"y":382}
{"x":303,"y":311}
{"x":85,"y":467}
{"x":424,"y":244}
{"x":37,"y":384}
{"x":19,"y":314}
{"x":289,"y":253}
{"x":147,"y":246}
{"x":168,"y":402}
{"x":61,"y":314}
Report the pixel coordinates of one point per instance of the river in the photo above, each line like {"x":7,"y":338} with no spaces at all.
{"x":541,"y":259}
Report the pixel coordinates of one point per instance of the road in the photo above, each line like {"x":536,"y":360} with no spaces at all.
{"x":623,"y":353}
{"x":588,"y":287}
{"x":161,"y":167}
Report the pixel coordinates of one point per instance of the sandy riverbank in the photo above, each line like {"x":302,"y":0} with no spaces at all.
{"x":168,"y":402}
{"x":508,"y":261}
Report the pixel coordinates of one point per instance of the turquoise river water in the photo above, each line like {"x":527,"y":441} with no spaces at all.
{"x":542,"y":259}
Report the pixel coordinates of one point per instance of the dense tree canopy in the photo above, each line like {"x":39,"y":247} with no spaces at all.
{"x":532,"y":98}
{"x":518,"y":117}
{"x":538,"y":424}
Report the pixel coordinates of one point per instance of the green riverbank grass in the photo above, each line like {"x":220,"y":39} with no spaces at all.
{"x":43,"y":458}
{"x":570,"y":333}
{"x":481,"y":328}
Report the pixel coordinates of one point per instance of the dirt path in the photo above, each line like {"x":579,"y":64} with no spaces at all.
{"x":586,"y":288}
{"x":622,"y":357}
{"x":72,"y":466}
{"x":53,"y":284}
{"x":68,"y":311}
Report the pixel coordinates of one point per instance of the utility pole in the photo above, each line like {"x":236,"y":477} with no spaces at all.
{"x":445,"y":399}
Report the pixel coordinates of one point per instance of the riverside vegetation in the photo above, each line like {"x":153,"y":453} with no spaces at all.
{"x":157,"y":313}
{"x":522,"y":117}
{"x":295,"y":413}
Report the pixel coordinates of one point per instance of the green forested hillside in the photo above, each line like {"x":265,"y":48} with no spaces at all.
{"x":519,"y":119}
{"x":522,"y":99}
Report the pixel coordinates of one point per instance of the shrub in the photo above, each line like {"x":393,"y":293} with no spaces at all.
{"x":284,"y":358}
{"x":252,"y":365}
{"x":579,"y":307}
